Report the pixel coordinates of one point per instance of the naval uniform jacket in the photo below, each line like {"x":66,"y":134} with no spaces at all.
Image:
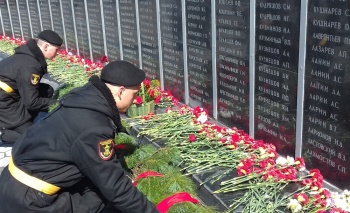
{"x":66,"y":148}
{"x":22,"y":72}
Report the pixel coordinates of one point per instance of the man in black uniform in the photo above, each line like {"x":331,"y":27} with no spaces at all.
{"x":22,"y":96}
{"x":70,"y":166}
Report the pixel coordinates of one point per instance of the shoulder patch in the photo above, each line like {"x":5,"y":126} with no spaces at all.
{"x":34,"y":79}
{"x":106,"y":149}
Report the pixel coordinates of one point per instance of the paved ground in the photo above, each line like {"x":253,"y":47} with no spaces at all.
{"x":5,"y":154}
{"x":5,"y":149}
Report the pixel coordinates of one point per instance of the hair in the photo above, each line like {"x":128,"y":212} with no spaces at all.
{"x":41,"y":43}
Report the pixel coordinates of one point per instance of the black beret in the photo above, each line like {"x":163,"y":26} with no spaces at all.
{"x":50,"y":37}
{"x":122,"y":73}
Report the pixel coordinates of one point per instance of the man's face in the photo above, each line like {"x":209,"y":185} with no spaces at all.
{"x":126,"y":97}
{"x":50,"y":51}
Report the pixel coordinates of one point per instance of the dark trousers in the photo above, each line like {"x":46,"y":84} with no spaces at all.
{"x":11,"y":135}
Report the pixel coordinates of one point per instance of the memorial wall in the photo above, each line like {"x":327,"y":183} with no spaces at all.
{"x":129,"y":28}
{"x":326,"y":129}
{"x":232,"y":63}
{"x":111,"y":37}
{"x":276,"y":72}
{"x":16,"y":24}
{"x":70,"y":36}
{"x":56,"y":16}
{"x":276,"y":69}
{"x":172,"y":48}
{"x":34,"y":17}
{"x":24,"y":19}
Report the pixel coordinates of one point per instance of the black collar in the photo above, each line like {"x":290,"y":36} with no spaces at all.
{"x":101,"y":86}
{"x":36,"y":51}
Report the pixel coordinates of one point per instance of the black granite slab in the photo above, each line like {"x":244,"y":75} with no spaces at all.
{"x":34,"y":17}
{"x":69,"y":26}
{"x":199,"y":54}
{"x":81,"y":28}
{"x":45,"y":14}
{"x":96,"y":34}
{"x":149,"y":38}
{"x":277,"y":43}
{"x":172,"y":48}
{"x":15,"y":19}
{"x":23,"y":11}
{"x":129,"y":31}
{"x":327,"y":86}
{"x":111,"y":29}
{"x":232,"y":63}
{"x":57,"y":19}
{"x":1,"y":31}
{"x":6,"y":18}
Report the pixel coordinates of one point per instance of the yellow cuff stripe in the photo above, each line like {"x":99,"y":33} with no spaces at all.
{"x":6,"y":87}
{"x":31,"y":181}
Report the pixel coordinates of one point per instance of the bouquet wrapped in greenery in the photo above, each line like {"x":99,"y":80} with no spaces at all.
{"x":151,"y":91}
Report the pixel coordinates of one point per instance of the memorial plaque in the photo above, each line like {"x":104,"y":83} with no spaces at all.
{"x":96,"y":34}
{"x":6,"y":18}
{"x":57,"y":19}
{"x":129,"y":31}
{"x":23,"y":11}
{"x":1,"y":31}
{"x":172,"y":48}
{"x":34,"y":17}
{"x":45,"y":14}
{"x":149,"y":38}
{"x":69,"y":26}
{"x":326,"y":141}
{"x":111,"y":29}
{"x":277,"y":43}
{"x":81,"y":28}
{"x":199,"y":54}
{"x":15,"y":20}
{"x":232,"y":62}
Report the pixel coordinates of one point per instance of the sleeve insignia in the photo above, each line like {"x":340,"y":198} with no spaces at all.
{"x":35,"y":78}
{"x":106,"y":149}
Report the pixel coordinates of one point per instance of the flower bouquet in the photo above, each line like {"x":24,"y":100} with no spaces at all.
{"x":149,"y":96}
{"x":144,"y":101}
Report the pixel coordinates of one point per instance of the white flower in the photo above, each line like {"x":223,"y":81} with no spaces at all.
{"x":342,"y":200}
{"x":281,"y":161}
{"x":202,"y":118}
{"x":301,"y":169}
{"x":262,"y":150}
{"x":290,"y":161}
{"x":329,"y":202}
{"x":70,"y":53}
{"x":294,"y":205}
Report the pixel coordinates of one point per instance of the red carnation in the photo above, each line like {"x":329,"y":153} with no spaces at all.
{"x":147,"y":83}
{"x":192,"y":138}
{"x":104,"y":59}
{"x":157,"y":99}
{"x":138,"y":100}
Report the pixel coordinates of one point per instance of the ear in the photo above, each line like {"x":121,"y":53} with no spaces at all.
{"x":46,"y":46}
{"x":121,"y":89}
